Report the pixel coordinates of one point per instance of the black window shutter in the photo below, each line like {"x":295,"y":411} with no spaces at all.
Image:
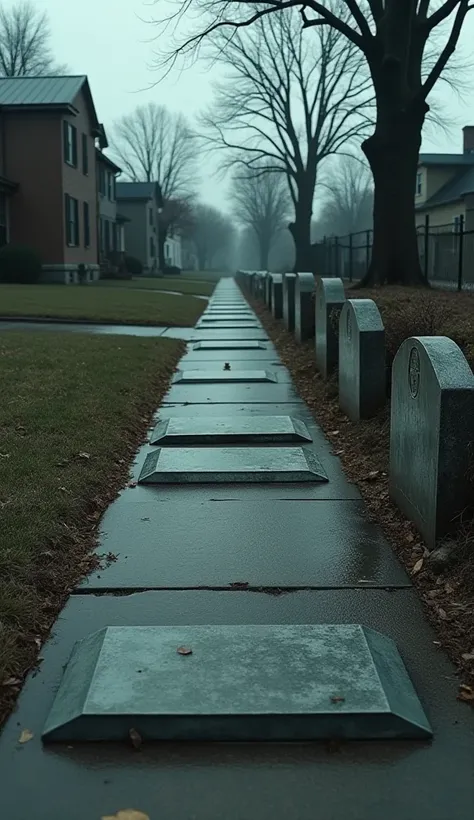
{"x":66,"y":215}
{"x":87,"y":233}
{"x":76,"y":221}
{"x":65,"y":139}
{"x":85,"y":157}
{"x":74,"y":146}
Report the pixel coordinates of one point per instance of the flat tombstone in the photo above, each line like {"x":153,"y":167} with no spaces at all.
{"x":361,"y":359}
{"x":431,"y":433}
{"x":330,"y":298}
{"x":304,"y":308}
{"x":277,"y":296}
{"x":288,"y":298}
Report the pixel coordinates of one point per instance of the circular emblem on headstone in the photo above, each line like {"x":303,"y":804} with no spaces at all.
{"x":414,"y":372}
{"x":348,"y":325}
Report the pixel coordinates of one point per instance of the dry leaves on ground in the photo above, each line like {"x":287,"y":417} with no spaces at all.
{"x":126,"y":814}
{"x":25,"y":736}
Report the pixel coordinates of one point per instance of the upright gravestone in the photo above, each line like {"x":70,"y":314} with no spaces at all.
{"x":431,"y":433}
{"x":329,"y":301}
{"x":288,"y":296}
{"x":277,"y":296}
{"x":304,"y":307}
{"x":361,"y":359}
{"x":268,"y":290}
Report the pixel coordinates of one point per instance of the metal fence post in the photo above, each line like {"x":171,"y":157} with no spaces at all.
{"x":350,"y":258}
{"x":461,"y":251}
{"x":426,"y":246}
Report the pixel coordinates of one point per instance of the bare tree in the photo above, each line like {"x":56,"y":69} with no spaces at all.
{"x":289,"y":100}
{"x":155,"y":144}
{"x":393,"y":36}
{"x":349,"y":198}
{"x":25,"y":42}
{"x":212,"y":235}
{"x":261,"y":202}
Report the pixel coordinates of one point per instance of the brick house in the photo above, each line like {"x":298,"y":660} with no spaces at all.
{"x":48,"y":172}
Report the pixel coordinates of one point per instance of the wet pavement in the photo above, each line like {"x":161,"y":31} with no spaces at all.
{"x":293,"y":557}
{"x":100,"y":329}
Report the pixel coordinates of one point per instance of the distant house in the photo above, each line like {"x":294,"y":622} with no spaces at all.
{"x":444,"y":200}
{"x":139,"y":203}
{"x":173,"y":250}
{"x":445,"y":186}
{"x":48,"y":186}
{"x":110,"y":229}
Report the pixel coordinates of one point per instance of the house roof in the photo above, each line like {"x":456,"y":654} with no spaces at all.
{"x":41,"y":91}
{"x":454,"y":190}
{"x":101,"y":157}
{"x":138,"y":190}
{"x":446,"y":159}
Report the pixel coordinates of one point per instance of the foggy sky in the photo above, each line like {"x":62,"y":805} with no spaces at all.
{"x":107,"y":40}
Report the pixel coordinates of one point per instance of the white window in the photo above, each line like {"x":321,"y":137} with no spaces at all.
{"x":419,"y":178}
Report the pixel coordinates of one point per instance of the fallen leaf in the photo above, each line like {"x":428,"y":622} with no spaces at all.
{"x":449,"y":589}
{"x":339,"y":452}
{"x":184,"y":650}
{"x":126,"y":814}
{"x":25,"y":736}
{"x":5,"y":455}
{"x":144,"y":519}
{"x":410,"y":537}
{"x":84,"y":455}
{"x":11,"y":682}
{"x":136,"y":738}
{"x":372,"y":475}
{"x":417,"y":567}
{"x":239,"y":585}
{"x":337,"y":699}
{"x":466,"y":693}
{"x":132,"y":484}
{"x":468,"y":656}
{"x":334,"y":432}
{"x":63,"y":489}
{"x":442,"y":613}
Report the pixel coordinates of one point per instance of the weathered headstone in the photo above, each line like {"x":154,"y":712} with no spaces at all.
{"x":268,"y":290}
{"x":277,"y":296}
{"x":329,"y":301}
{"x":304,"y":307}
{"x":431,"y":433}
{"x":288,"y":296}
{"x":361,"y":359}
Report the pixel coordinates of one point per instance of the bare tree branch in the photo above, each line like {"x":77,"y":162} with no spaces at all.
{"x":262,"y":203}
{"x":25,"y":42}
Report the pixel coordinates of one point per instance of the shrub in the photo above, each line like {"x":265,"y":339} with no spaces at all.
{"x":133,"y":265}
{"x":19,"y":265}
{"x":172,"y":270}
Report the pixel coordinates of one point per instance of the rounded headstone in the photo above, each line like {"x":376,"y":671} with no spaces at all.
{"x":277,"y":295}
{"x":304,"y":308}
{"x":361,"y":359}
{"x":330,"y":298}
{"x":431,"y":433}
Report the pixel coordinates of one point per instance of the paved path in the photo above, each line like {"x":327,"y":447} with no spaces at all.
{"x":291,"y":552}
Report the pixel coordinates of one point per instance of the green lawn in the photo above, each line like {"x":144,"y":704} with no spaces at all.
{"x":74,"y":409}
{"x":177,"y":283}
{"x":100,"y":304}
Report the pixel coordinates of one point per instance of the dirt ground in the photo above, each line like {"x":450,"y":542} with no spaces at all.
{"x":363,"y":448}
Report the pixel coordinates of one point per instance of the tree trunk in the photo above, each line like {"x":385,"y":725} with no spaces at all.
{"x":300,"y":229}
{"x":202,"y":258}
{"x":264,"y":252}
{"x":392,"y":153}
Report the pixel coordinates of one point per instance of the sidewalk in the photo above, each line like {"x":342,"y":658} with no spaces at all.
{"x":262,"y":529}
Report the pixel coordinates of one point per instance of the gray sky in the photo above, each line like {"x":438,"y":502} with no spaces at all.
{"x":107,"y":40}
